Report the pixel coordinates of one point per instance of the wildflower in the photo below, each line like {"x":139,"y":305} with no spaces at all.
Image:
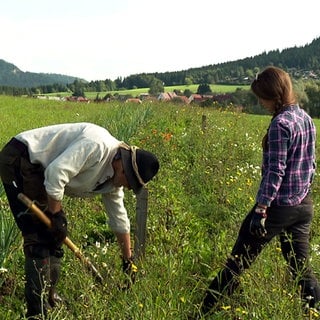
{"x":314,"y":314}
{"x":316,"y":249}
{"x":104,"y":249}
{"x":226,"y":308}
{"x":183,"y":300}
{"x":3,"y":270}
{"x":249,"y":182}
{"x":167,"y":136}
{"x":239,"y":310}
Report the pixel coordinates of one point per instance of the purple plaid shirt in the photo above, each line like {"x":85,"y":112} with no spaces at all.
{"x":289,"y":162}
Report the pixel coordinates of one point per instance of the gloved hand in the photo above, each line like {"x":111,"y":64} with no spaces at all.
{"x":130,"y":269}
{"x":59,"y":227}
{"x":257,"y":224}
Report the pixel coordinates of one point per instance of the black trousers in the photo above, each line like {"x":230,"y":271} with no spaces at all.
{"x":42,"y":259}
{"x":292,"y":225}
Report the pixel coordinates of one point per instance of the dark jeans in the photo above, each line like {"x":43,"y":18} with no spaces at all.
{"x":42,"y":259}
{"x":292,"y":224}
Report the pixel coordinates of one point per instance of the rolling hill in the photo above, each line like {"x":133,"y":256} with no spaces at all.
{"x":12,"y":76}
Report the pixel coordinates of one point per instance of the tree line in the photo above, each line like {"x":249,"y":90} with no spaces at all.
{"x":300,"y":62}
{"x":303,"y":64}
{"x":307,"y":91}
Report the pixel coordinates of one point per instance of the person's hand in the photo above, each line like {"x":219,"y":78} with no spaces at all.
{"x":130,"y":269}
{"x":59,"y":227}
{"x":257,"y":224}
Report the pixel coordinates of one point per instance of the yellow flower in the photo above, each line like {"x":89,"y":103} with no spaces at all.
{"x":226,"y":308}
{"x":314,"y":314}
{"x":239,"y":310}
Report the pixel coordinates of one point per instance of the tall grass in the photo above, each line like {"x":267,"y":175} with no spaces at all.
{"x":206,"y":184}
{"x":8,"y":234}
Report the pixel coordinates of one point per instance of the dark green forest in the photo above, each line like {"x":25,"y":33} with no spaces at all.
{"x":12,"y":76}
{"x":298,"y":61}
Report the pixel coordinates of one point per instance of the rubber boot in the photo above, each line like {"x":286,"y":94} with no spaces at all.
{"x":55,"y":266}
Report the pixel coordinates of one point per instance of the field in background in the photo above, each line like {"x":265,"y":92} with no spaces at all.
{"x":206,"y":184}
{"x":136,"y":92}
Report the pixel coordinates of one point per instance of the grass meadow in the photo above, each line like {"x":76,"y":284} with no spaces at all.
{"x":206,"y":184}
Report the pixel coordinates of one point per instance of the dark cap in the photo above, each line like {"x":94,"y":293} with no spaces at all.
{"x":139,"y":166}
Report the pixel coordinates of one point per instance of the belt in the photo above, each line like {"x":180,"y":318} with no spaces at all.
{"x":19,"y":146}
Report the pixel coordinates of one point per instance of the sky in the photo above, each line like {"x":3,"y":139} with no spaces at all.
{"x":107,"y":39}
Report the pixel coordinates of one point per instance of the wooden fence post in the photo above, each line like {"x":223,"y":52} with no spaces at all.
{"x":204,"y":123}
{"x":141,"y":223}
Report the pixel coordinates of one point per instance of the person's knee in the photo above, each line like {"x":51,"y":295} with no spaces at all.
{"x":37,"y":266}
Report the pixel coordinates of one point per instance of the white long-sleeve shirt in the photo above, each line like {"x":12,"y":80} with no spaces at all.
{"x":77,"y":158}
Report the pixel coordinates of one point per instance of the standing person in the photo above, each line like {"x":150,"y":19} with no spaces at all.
{"x":283,"y":203}
{"x":78,"y":159}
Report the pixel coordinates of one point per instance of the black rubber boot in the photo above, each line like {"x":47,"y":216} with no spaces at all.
{"x":55,"y":266}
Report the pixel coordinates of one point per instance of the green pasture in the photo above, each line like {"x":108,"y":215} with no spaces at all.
{"x":216,"y":88}
{"x":209,"y":174}
{"x":137,"y":92}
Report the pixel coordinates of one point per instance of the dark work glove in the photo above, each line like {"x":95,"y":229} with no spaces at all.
{"x":130,"y":269}
{"x":257,"y":224}
{"x":59,"y":227}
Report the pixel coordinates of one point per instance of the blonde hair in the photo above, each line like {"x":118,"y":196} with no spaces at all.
{"x":274,"y":84}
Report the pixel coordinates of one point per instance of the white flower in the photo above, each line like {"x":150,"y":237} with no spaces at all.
{"x":3,"y":270}
{"x":104,"y":249}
